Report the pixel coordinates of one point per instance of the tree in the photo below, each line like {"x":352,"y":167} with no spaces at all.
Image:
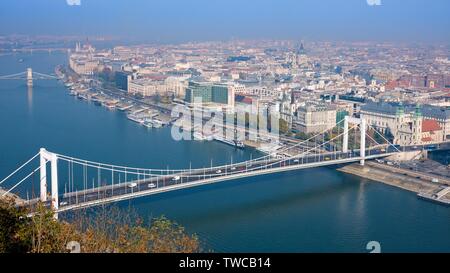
{"x":12,"y":221}
{"x":389,"y":136}
{"x":377,"y":137}
{"x":302,"y":136}
{"x":108,"y":230}
{"x":106,"y":74}
{"x":165,"y":99}
{"x":284,"y":126}
{"x":157,"y":98}
{"x":169,"y":237}
{"x":46,"y":235}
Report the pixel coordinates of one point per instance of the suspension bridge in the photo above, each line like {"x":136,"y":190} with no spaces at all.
{"x":79,"y":183}
{"x":29,"y":76}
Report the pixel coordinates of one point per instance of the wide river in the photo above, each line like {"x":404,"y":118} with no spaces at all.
{"x":319,"y":210}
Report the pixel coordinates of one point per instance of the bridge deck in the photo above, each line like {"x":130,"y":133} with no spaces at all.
{"x":120,"y":192}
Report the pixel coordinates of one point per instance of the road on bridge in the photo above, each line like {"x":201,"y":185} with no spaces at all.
{"x":111,"y":193}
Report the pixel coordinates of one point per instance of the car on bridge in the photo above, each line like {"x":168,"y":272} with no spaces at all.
{"x":151,"y":185}
{"x":132,"y":185}
{"x":176,"y":178}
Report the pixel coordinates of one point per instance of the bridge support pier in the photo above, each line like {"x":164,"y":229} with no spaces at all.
{"x":29,"y":77}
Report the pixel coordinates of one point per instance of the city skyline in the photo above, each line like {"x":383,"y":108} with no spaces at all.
{"x":179,"y":21}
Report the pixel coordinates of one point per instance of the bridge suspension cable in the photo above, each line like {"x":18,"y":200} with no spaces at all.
{"x":389,"y":143}
{"x":187,"y":173}
{"x":23,"y":76}
{"x":45,"y":75}
{"x":20,"y":182}
{"x":186,"y":179}
{"x":18,"y":169}
{"x":313,"y":151}
{"x":110,"y":166}
{"x":12,"y":76}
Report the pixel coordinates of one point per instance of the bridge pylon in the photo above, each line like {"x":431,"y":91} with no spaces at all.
{"x":45,"y":157}
{"x":363,"y":141}
{"x":363,"y":129}
{"x":43,"y":174}
{"x":345,"y":142}
{"x":29,"y":77}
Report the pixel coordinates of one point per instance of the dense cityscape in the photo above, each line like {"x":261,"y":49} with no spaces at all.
{"x":245,"y":144}
{"x":312,"y":89}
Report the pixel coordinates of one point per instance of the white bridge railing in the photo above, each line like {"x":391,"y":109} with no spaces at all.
{"x":124,"y":182}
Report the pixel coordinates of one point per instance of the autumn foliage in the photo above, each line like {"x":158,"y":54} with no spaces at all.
{"x":107,"y":230}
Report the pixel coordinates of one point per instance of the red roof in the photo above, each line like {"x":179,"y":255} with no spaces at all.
{"x":247,"y":100}
{"x":243,"y":99}
{"x":391,"y":85}
{"x":429,"y":125}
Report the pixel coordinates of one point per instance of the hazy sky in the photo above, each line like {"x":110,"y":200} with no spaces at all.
{"x":184,"y":20}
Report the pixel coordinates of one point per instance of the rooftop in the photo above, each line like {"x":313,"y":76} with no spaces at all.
{"x":388,"y":108}
{"x":429,"y":125}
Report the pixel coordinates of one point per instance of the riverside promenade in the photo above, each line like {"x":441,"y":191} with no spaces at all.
{"x":416,"y":182}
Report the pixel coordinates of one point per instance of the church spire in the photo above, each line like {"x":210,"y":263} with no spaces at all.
{"x":301,"y":50}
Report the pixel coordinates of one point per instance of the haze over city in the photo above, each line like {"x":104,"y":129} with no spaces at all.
{"x":180,"y":20}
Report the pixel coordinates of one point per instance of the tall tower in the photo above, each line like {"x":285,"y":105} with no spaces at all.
{"x":301,"y":49}
{"x":417,"y":124}
{"x":302,"y":59}
{"x":399,"y":116}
